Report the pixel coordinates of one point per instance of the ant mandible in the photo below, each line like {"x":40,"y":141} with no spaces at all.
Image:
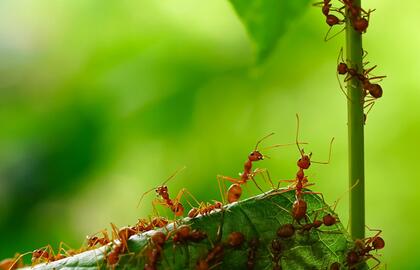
{"x":164,"y":199}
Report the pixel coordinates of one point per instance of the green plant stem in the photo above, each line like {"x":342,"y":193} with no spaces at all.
{"x":354,"y":54}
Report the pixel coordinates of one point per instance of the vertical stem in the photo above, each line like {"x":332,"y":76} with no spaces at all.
{"x":355,"y":116}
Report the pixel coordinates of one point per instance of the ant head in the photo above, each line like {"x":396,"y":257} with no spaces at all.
{"x":161,"y":190}
{"x":305,"y":161}
{"x":255,"y":156}
{"x":342,"y":68}
{"x":218,"y":204}
{"x":329,"y":220}
{"x":378,"y":243}
{"x":276,"y":245}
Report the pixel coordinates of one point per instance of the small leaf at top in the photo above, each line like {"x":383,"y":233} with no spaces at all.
{"x":267,"y":20}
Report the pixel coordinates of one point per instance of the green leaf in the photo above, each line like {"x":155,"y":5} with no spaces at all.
{"x":258,"y":217}
{"x":267,"y":20}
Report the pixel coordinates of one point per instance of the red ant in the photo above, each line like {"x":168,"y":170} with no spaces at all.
{"x":276,"y":250}
{"x":330,"y":19}
{"x":252,"y":253}
{"x":94,"y":240}
{"x":175,"y":204}
{"x":286,"y":231}
{"x":143,"y":225}
{"x":234,"y":192}
{"x":204,"y":209}
{"x":301,"y":181}
{"x":235,"y":239}
{"x":328,"y":219}
{"x":12,"y":263}
{"x":335,"y":266}
{"x":215,"y":254}
{"x":46,"y":254}
{"x":360,"y":22}
{"x":154,"y":252}
{"x":122,"y":235}
{"x":372,"y":89}
{"x":184,"y":234}
{"x":363,"y":247}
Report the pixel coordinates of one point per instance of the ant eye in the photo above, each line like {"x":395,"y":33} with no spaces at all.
{"x":252,"y":153}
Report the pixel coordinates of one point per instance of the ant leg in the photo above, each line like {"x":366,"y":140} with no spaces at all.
{"x":17,"y":259}
{"x":329,"y":155}
{"x":372,"y":238}
{"x":367,"y":71}
{"x":370,"y":105}
{"x":290,"y":187}
{"x":255,"y":182}
{"x":378,"y":78}
{"x":326,"y":38}
{"x":185,"y":191}
{"x":378,"y":262}
{"x":222,"y":187}
{"x":267,"y":174}
{"x":230,"y":179}
{"x":341,"y":87}
{"x":61,"y":248}
{"x":314,"y":193}
{"x":318,"y":4}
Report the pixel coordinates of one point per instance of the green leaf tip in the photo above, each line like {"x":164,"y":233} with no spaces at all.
{"x":257,"y":219}
{"x":267,"y":20}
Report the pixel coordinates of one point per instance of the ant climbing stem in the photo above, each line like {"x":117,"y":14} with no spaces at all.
{"x":330,"y":19}
{"x":363,"y":247}
{"x":371,"y":91}
{"x":164,"y":199}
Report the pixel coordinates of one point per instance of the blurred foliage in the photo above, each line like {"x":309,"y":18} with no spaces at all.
{"x":100,"y":102}
{"x":266,"y":20}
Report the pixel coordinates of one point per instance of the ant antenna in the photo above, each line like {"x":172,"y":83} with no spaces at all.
{"x":297,"y":135}
{"x":19,"y":258}
{"x":166,"y":181}
{"x":342,"y":195}
{"x":262,"y":139}
{"x":281,"y":145}
{"x":329,"y":156}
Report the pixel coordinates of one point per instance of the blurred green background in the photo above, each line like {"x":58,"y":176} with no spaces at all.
{"x":100,"y":101}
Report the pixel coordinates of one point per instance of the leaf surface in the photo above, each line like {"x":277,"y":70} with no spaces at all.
{"x":257,"y":217}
